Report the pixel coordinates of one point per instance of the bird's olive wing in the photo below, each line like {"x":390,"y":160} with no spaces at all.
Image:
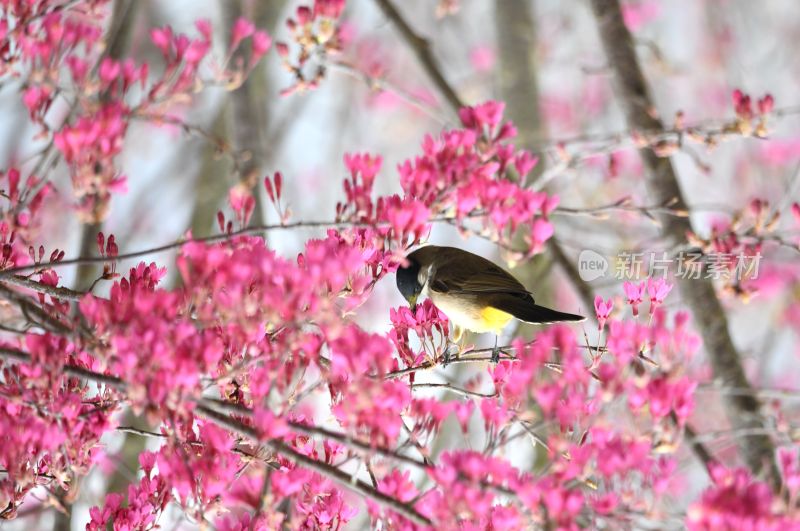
{"x":475,"y":278}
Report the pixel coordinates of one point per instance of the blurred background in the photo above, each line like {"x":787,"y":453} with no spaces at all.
{"x":544,"y":59}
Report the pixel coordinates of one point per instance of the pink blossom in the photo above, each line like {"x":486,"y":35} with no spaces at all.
{"x":109,"y":70}
{"x":318,"y":502}
{"x":374,"y":407}
{"x":779,"y":151}
{"x":261,"y":44}
{"x":637,"y":14}
{"x":242,"y":202}
{"x":311,"y":404}
{"x":408,"y":218}
{"x":742,"y":105}
{"x":664,"y":395}
{"x":429,"y":414}
{"x":459,"y":475}
{"x":470,"y":171}
{"x":484,"y":116}
{"x":626,"y":338}
{"x":766,"y":104}
{"x":634,"y":293}
{"x":658,"y":290}
{"x":203,"y":26}
{"x":329,"y":8}
{"x":606,"y":503}
{"x":482,"y":57}
{"x":736,"y":501}
{"x":542,"y":231}
{"x":790,"y":469}
{"x":427,"y":322}
{"x":37,"y":99}
{"x":524,"y":163}
{"x":602,"y":310}
{"x":282,"y":48}
{"x":162,"y":38}
{"x":242,"y":28}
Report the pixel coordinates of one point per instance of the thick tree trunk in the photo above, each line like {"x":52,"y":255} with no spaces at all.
{"x":249,"y":104}
{"x":519,"y":88}
{"x":744,"y":411}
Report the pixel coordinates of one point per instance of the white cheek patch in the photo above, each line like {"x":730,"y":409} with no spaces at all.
{"x":422,"y":278}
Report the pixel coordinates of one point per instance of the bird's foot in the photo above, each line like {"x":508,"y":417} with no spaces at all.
{"x":451,"y":352}
{"x":495,"y":352}
{"x":496,"y":355}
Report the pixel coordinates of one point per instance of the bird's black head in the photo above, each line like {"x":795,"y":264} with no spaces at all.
{"x":408,"y":282}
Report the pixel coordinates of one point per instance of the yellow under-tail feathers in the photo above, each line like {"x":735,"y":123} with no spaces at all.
{"x":495,"y":319}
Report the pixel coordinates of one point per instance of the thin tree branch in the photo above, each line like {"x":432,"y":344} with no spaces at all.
{"x":422,"y":51}
{"x":35,"y":312}
{"x":20,"y":356}
{"x":4,"y":274}
{"x":734,"y":433}
{"x":57,"y":292}
{"x":399,"y":373}
{"x":383,"y":84}
{"x":700,"y":451}
{"x":324,"y":469}
{"x":311,"y":431}
{"x":469,"y":357}
{"x":584,"y":290}
{"x":785,"y":394}
{"x":180,"y":243}
{"x":249,"y":103}
{"x":362,"y":487}
{"x":344,"y":479}
{"x":452,"y":389}
{"x":131,"y":430}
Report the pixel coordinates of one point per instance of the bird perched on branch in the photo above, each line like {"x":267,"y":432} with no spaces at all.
{"x":474,"y":293}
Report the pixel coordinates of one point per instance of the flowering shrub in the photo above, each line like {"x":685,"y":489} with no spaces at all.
{"x":270,"y":404}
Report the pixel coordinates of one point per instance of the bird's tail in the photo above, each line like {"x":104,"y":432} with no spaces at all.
{"x":533,"y":313}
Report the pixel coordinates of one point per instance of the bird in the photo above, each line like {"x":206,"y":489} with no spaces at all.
{"x":474,"y":293}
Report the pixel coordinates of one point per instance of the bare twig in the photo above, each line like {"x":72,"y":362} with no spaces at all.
{"x":699,"y":449}
{"x":312,"y":431}
{"x":582,"y":287}
{"x":179,"y":243}
{"x":380,"y":83}
{"x":736,"y":433}
{"x":424,"y":366}
{"x":452,"y":389}
{"x":344,"y":479}
{"x":20,"y":356}
{"x":219,"y":144}
{"x":35,"y":312}
{"x":422,"y":51}
{"x":255,"y":229}
{"x":781,"y":394}
{"x":57,"y":292}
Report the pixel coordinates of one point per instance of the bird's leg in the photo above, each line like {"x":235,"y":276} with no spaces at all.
{"x":495,"y":352}
{"x":457,"y":333}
